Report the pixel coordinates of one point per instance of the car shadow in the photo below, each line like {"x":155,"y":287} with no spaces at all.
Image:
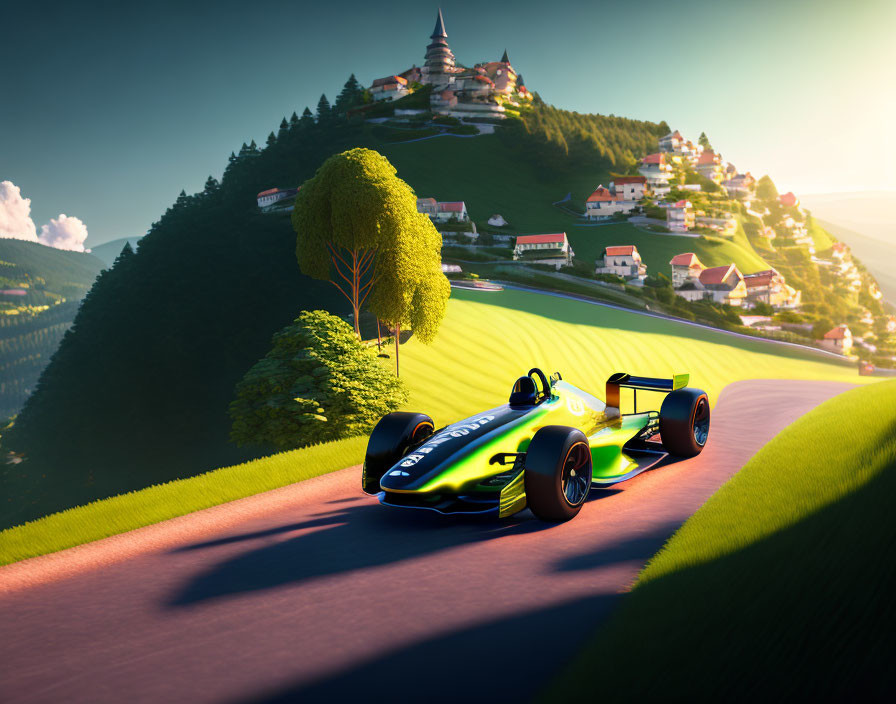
{"x":506,"y":659}
{"x":343,"y":540}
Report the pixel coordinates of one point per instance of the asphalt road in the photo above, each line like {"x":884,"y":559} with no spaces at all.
{"x":315,"y":592}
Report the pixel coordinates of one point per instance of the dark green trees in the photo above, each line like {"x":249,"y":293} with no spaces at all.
{"x":318,"y":383}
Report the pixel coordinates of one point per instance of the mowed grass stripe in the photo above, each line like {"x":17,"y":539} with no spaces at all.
{"x":487,"y":340}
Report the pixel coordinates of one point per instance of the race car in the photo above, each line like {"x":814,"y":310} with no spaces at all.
{"x":544,"y":449}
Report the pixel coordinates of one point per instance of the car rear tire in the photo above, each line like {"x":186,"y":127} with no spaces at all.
{"x":389,"y":442}
{"x":558,"y":473}
{"x":684,"y":422}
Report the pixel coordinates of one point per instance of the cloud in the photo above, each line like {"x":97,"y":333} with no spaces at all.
{"x":64,"y":232}
{"x":15,"y":214}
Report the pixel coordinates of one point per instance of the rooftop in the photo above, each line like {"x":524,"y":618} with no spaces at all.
{"x":558,"y":238}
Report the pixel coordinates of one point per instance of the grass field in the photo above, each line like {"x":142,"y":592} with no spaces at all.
{"x":780,"y":586}
{"x":486,"y":341}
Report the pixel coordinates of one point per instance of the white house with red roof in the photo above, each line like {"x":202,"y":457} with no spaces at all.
{"x":709,"y":165}
{"x":680,"y":216}
{"x":443,"y":211}
{"x":838,"y":339}
{"x":389,"y":88}
{"x":770,"y":287}
{"x":550,"y":249}
{"x":624,"y":261}
{"x":657,"y":171}
{"x":627,"y":188}
{"x":267,"y":198}
{"x":685,"y":268}
{"x":723,"y":284}
{"x":740,"y":185}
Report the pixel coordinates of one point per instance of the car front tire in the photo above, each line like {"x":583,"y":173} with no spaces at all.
{"x":389,"y":442}
{"x":558,"y":473}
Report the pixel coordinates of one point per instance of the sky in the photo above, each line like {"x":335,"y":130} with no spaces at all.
{"x":109,"y":109}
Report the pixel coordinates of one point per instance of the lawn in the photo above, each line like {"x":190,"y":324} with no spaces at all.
{"x":779,"y":587}
{"x":486,"y":341}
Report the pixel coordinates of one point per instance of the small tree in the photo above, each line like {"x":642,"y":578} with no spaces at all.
{"x":324,"y":111}
{"x":318,"y":383}
{"x":357,"y":226}
{"x":284,"y":129}
{"x":703,"y":141}
{"x":351,"y":96}
{"x":307,"y":119}
{"x":765,"y":189}
{"x":272,"y":140}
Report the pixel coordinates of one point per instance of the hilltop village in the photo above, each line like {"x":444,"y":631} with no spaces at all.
{"x":680,"y":189}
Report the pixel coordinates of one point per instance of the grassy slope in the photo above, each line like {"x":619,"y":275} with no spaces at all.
{"x":779,"y":585}
{"x":486,"y":341}
{"x":492,"y":177}
{"x":69,"y":274}
{"x":877,"y":255}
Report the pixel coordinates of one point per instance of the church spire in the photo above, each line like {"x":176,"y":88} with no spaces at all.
{"x":439,"y":31}
{"x":504,"y":58}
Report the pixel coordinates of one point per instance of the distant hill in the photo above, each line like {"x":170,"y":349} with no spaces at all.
{"x":108,"y":251}
{"x":164,"y":336}
{"x":867,"y":223}
{"x":41,"y":289}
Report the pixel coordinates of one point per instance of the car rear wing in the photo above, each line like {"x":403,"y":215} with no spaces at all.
{"x":621,"y":380}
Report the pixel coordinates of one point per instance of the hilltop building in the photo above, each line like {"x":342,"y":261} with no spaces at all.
{"x":685,"y":268}
{"x":457,"y":90}
{"x":544,"y":249}
{"x":770,"y":287}
{"x":680,"y":216}
{"x":657,"y":171}
{"x":624,"y":261}
{"x":271,"y":196}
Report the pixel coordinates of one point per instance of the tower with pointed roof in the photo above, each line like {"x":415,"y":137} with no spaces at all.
{"x":439,"y":65}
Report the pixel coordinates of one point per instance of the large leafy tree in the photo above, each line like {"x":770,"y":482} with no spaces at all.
{"x":317,"y":383}
{"x":357,"y":226}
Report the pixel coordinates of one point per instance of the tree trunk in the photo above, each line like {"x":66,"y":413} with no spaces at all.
{"x":379,"y":337}
{"x":397,"y":343}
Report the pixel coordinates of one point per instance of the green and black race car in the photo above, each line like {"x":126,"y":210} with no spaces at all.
{"x":544,"y":449}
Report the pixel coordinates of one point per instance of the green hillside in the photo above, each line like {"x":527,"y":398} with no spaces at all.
{"x":487,"y":340}
{"x":31,"y":325}
{"x":786,"y":571}
{"x":161,"y":341}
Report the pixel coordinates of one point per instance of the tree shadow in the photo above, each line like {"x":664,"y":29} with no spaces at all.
{"x":639,"y":548}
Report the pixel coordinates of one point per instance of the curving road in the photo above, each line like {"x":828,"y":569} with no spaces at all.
{"x":314,"y":592}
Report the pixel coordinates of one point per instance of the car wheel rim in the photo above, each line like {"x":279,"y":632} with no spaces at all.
{"x":701,"y":422}
{"x":576,"y":477}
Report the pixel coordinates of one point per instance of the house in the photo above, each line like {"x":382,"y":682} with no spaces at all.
{"x":452,"y":269}
{"x":788,"y":200}
{"x":624,"y":261}
{"x":685,"y":268}
{"x":740,"y":185}
{"x":604,"y":202}
{"x":840,"y":251}
{"x":452,"y":210}
{"x":709,"y":165}
{"x":725,"y":225}
{"x":389,"y":88}
{"x":723,"y":284}
{"x":672,"y":142}
{"x":680,"y":216}
{"x":440,"y":211}
{"x":629,"y":187}
{"x":497,"y":220}
{"x":891,"y":323}
{"x":267,"y":198}
{"x":771,"y":288}
{"x":838,"y":339}
{"x":551,"y":249}
{"x":656,"y":171}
